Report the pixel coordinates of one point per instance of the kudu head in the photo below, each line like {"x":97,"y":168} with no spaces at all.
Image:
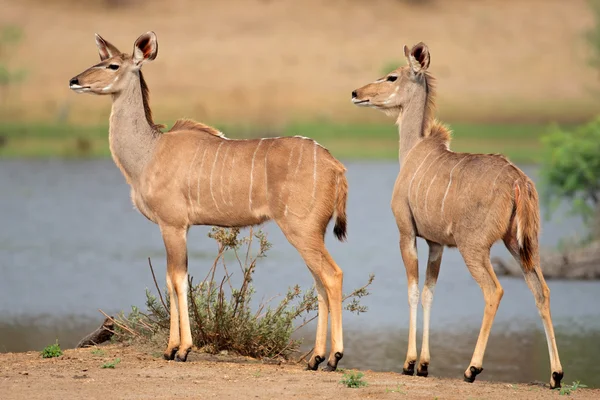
{"x":115,"y":70}
{"x":392,"y":93}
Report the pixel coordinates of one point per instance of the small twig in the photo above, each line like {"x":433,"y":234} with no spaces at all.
{"x":303,"y":357}
{"x":306,"y":322}
{"x":195,"y":308}
{"x":250,"y":238}
{"x":158,"y":288}
{"x":120,"y":324}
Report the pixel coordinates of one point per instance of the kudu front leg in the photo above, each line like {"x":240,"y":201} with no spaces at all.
{"x":408,"y":249}
{"x":180,"y":334}
{"x":433,"y":270}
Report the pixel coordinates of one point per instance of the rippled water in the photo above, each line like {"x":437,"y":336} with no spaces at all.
{"x":71,"y":242}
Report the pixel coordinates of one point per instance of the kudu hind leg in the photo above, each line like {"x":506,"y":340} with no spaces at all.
{"x":478,"y":262}
{"x":180,"y":342}
{"x":537,"y":284}
{"x":329,"y":278}
{"x":433,"y":270}
{"x":174,"y":338}
{"x":408,"y":249}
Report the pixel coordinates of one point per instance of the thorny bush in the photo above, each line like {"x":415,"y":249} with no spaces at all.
{"x":221,"y":316}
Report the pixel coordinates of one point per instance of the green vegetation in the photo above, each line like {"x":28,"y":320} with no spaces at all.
{"x":520,"y":142}
{"x":221,"y":316}
{"x":111,"y":364}
{"x":566,"y":390}
{"x":98,"y":352}
{"x":52,"y":351}
{"x":353,"y":380}
{"x":571,"y":171}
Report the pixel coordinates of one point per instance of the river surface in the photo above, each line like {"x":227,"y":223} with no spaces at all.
{"x":71,"y":243}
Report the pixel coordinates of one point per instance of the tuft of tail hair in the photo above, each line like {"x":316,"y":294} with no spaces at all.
{"x":339,"y":230}
{"x":528,"y":222}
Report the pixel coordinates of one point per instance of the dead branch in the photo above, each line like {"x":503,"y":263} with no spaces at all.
{"x":102,"y":334}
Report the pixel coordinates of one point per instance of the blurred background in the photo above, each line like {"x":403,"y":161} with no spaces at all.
{"x":514,"y":77}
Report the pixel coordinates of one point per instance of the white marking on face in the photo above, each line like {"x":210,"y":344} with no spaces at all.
{"x":211,"y":177}
{"x":450,"y":183}
{"x":252,"y":172}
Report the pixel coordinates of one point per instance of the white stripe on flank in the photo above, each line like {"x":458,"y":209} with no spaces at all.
{"x":190,"y":177}
{"x":230,"y":175}
{"x":252,"y":172}
{"x":287,"y":175}
{"x":221,"y":180}
{"x":266,"y":175}
{"x":200,"y":174}
{"x":415,"y":174}
{"x":450,"y":183}
{"x":427,"y":195}
{"x":211,"y":177}
{"x":421,"y":181}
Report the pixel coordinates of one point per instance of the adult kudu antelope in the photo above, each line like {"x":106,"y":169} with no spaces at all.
{"x":463,"y":200}
{"x":193,"y":175}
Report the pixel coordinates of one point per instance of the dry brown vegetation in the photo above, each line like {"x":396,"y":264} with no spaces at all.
{"x":269,"y":62}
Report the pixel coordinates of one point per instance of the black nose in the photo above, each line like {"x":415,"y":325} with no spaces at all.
{"x":74,"y":81}
{"x":354,"y":94}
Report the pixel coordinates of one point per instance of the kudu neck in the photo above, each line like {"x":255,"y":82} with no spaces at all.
{"x":132,"y":137}
{"x":411,"y":122}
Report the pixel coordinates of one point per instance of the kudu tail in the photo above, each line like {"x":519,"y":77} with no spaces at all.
{"x":528,"y":222}
{"x":339,"y":229}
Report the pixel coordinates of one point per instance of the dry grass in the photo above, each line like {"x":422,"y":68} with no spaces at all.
{"x":269,"y":62}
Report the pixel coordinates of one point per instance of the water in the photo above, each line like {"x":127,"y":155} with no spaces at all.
{"x":71,"y":243}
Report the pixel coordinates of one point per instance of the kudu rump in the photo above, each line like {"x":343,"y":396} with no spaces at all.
{"x":193,"y":175}
{"x":463,"y":200}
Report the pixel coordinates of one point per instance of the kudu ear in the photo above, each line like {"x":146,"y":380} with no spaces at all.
{"x":145,"y":48}
{"x":105,"y":49}
{"x":417,"y":57}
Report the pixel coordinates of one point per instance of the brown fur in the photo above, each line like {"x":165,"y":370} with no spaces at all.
{"x":463,"y":200}
{"x":192,"y":175}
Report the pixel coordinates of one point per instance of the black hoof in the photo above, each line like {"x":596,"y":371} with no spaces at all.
{"x":557,"y":377}
{"x":410,"y":370}
{"x":170,"y":355}
{"x":332,"y":365}
{"x":313,"y":365}
{"x":182,"y":358}
{"x":474,"y":372}
{"x":422,"y":370}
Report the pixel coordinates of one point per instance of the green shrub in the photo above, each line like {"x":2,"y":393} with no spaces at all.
{"x":221,"y":316}
{"x":52,"y":351}
{"x":571,"y":170}
{"x":353,"y":380}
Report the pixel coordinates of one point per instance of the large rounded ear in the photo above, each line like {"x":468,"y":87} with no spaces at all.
{"x":145,"y":48}
{"x":105,"y":49}
{"x":418,"y":57}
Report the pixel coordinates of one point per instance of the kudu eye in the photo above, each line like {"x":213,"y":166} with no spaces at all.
{"x":391,"y":78}
{"x":114,"y":67}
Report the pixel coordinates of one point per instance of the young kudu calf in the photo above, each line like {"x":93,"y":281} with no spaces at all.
{"x":193,"y":175}
{"x":462,"y":200}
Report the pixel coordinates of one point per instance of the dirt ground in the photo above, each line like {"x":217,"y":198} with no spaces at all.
{"x":269,"y":62}
{"x":78,"y":375}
